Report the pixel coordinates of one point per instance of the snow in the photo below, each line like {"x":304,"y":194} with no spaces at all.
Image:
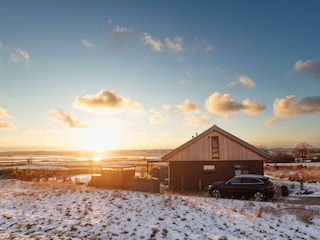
{"x":299,"y":189}
{"x":60,"y":210}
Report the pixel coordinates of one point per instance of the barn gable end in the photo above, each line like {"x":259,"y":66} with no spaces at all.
{"x":230,"y":148}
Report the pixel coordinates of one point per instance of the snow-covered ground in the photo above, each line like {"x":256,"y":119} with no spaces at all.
{"x":52,"y":210}
{"x":298,"y":189}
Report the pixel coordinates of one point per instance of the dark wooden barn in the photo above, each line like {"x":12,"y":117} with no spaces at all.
{"x":123,"y":177}
{"x":115,"y":176}
{"x":213,"y":155}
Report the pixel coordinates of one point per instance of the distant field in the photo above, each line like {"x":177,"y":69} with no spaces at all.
{"x":144,"y":160}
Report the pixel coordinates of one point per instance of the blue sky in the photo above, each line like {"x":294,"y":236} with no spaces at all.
{"x":151,"y":74}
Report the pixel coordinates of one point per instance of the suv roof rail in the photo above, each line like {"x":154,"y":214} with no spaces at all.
{"x":252,"y":175}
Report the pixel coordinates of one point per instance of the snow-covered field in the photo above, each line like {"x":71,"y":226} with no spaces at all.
{"x":51,"y":210}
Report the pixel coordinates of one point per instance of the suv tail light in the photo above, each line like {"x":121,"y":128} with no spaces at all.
{"x":270,"y":186}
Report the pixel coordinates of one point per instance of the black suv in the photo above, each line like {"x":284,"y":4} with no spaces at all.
{"x":254,"y":186}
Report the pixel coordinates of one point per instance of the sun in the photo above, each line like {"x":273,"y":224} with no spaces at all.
{"x":96,"y":139}
{"x":97,"y":158}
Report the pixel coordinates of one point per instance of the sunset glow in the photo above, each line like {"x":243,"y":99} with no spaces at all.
{"x":96,"y":139}
{"x":105,"y":75}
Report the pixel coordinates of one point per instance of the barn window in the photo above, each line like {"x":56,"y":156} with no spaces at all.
{"x":241,"y":169}
{"x":209,"y":168}
{"x":215,"y":146}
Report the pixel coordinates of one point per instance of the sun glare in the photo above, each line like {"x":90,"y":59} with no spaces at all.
{"x":97,"y":158}
{"x":96,"y":139}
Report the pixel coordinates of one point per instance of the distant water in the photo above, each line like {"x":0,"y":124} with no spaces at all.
{"x":76,"y":157}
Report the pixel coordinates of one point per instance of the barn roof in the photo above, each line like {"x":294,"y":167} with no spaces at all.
{"x":215,"y":128}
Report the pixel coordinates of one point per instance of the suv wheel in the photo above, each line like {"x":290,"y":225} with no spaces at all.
{"x":258,"y":196}
{"x":215,"y":193}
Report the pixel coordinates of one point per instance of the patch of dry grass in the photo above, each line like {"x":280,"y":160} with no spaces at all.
{"x":295,"y":172}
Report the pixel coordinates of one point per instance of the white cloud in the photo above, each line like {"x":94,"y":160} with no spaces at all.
{"x":252,"y":108}
{"x":175,"y":45}
{"x":223,"y":105}
{"x":245,"y":80}
{"x":20,"y":54}
{"x":310,"y":67}
{"x":87,"y":44}
{"x":187,"y":107}
{"x":286,"y":107}
{"x":105,"y":99}
{"x":6,"y":125}
{"x":23,"y":54}
{"x":289,"y":107}
{"x":69,"y":119}
{"x":12,"y":55}
{"x":233,"y":85}
{"x":272,"y":121}
{"x":119,"y":29}
{"x":155,"y":44}
{"x":242,"y":81}
{"x":4,"y":113}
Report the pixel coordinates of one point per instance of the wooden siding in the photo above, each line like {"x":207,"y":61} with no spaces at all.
{"x":228,"y":150}
{"x":230,"y":146}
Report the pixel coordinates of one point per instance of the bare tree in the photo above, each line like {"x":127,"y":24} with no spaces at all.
{"x":302,"y":151}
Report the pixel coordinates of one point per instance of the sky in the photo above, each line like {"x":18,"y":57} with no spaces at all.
{"x":152,"y":74}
